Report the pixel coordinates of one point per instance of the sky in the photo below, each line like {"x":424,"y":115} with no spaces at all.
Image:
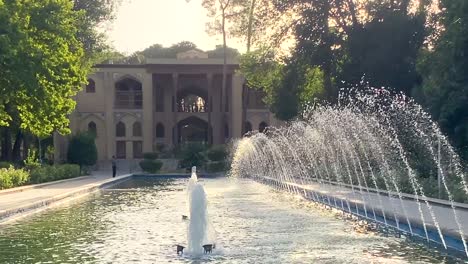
{"x":142,"y":23}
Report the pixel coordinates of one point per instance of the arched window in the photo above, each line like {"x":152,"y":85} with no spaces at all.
{"x":248,"y":127}
{"x":262,"y":126}
{"x":128,"y":94}
{"x":92,"y":129}
{"x":137,"y":129}
{"x":91,"y":86}
{"x":120,"y":130}
{"x":159,"y":130}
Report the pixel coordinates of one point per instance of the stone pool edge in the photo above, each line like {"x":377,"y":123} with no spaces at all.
{"x":13,"y":214}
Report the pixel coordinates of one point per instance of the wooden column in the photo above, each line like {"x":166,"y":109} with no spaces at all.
{"x":175,"y":110}
{"x":209,"y":80}
{"x":148,"y":112}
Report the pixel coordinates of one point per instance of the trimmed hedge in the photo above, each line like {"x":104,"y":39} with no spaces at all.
{"x":151,"y":166}
{"x":150,"y":155}
{"x":54,"y":173}
{"x":12,"y":177}
{"x":216,"y":153}
{"x":192,"y":154}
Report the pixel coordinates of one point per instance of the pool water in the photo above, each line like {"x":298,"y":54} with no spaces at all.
{"x":140,"y":221}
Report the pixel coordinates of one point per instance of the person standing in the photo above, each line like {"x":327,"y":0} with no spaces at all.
{"x":114,"y":166}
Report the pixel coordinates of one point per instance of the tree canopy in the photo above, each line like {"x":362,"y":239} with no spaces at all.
{"x":337,"y":44}
{"x":42,"y":66}
{"x":159,"y":51}
{"x":47,"y":48}
{"x":445,"y":69}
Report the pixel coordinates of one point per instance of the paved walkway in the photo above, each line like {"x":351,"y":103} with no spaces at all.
{"x":402,"y":209}
{"x":24,"y":199}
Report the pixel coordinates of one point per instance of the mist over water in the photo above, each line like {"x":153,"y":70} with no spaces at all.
{"x":372,"y":142}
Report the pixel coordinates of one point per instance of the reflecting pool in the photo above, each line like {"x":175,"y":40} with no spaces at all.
{"x":140,"y":221}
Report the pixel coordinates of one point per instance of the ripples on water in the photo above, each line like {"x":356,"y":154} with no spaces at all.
{"x":141,"y":223}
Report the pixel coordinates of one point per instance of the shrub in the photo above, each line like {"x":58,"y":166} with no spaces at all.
{"x":31,"y":162}
{"x":150,"y":155}
{"x":216,"y":166}
{"x":160,"y":147}
{"x":12,"y":177}
{"x":5,"y":164}
{"x":82,"y":150}
{"x":192,"y":154}
{"x":151,"y":166}
{"x":216,"y":153}
{"x":53,"y":173}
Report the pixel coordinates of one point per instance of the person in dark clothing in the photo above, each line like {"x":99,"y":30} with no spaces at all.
{"x":114,"y":166}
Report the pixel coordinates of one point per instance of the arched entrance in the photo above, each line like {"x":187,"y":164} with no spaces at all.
{"x":192,"y":129}
{"x":192,"y":100}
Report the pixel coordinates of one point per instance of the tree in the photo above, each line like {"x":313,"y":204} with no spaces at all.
{"x":338,"y":42}
{"x":262,"y":71}
{"x":82,"y":150}
{"x":218,"y":52}
{"x":219,"y":10}
{"x":37,"y":95}
{"x":385,"y":50}
{"x":444,"y":69}
{"x":94,"y":14}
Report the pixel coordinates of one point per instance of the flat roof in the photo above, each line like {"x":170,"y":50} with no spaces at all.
{"x":171,"y":61}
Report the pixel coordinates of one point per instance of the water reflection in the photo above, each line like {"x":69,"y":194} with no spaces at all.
{"x":254,"y":225}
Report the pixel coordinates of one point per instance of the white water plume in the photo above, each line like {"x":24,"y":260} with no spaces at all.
{"x":374,"y":144}
{"x":200,"y":231}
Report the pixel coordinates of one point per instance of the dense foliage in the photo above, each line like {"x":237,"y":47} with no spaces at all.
{"x":216,"y":153}
{"x":408,"y":46}
{"x":53,"y":173}
{"x":445,"y":69}
{"x":47,"y":48}
{"x":82,"y":150}
{"x":192,"y":154}
{"x":151,"y":166}
{"x":337,"y":45}
{"x":150,"y":163}
{"x":11,"y":177}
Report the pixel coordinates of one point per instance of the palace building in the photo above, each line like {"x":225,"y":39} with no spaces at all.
{"x":133,"y":109}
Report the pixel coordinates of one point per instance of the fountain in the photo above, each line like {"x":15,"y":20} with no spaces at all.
{"x":376,"y":155}
{"x":200,"y":234}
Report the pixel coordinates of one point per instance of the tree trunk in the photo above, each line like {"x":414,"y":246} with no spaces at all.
{"x":244,"y":87}
{"x":16,"y":153}
{"x":332,"y":96}
{"x":404,"y":6}
{"x":249,"y":30}
{"x":26,"y":145}
{"x":352,"y":10}
{"x":6,"y":144}
{"x":224,"y":84}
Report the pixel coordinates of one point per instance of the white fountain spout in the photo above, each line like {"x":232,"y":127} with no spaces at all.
{"x":194,"y":173}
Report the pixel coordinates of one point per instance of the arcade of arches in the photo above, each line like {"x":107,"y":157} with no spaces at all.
{"x":134,"y":108}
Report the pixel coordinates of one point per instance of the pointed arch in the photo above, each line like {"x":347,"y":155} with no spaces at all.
{"x":91,"y":86}
{"x":120,"y":129}
{"x":137,"y":129}
{"x":92,"y":128}
{"x":128,"y":94}
{"x":160,"y":132}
